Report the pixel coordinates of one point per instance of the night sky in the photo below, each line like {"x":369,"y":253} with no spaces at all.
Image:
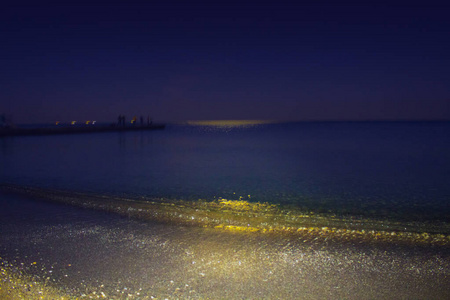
{"x":195,"y":60}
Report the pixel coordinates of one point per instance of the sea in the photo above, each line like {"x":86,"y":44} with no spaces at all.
{"x":356,"y":178}
{"x":376,"y":169}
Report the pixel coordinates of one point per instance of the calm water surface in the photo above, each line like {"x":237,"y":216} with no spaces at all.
{"x":382,"y":170}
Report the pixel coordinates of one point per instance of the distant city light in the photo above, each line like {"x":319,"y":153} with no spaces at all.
{"x":73,"y":122}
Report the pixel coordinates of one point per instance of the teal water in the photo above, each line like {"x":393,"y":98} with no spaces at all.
{"x":394,"y":170}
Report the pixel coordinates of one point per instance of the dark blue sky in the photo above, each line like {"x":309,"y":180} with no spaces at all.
{"x":218,"y":60}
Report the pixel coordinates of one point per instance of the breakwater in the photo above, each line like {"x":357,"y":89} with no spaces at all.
{"x":75,"y":129}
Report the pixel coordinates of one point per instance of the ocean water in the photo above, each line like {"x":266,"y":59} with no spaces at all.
{"x":394,"y":170}
{"x":228,"y":210}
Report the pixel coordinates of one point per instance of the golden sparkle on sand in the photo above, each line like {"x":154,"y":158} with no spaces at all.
{"x":222,"y":249}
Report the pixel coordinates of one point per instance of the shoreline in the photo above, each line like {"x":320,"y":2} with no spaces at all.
{"x":54,"y":251}
{"x":237,"y":216}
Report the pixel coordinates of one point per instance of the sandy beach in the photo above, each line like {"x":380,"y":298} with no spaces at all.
{"x":55,"y":250}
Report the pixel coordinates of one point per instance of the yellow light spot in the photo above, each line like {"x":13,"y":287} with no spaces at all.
{"x":229,"y":123}
{"x":73,"y":122}
{"x":245,"y":205}
{"x":87,"y":122}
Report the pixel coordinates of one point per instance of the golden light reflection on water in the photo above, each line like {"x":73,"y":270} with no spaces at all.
{"x":245,"y":205}
{"x":241,"y":216}
{"x":230,"y":123}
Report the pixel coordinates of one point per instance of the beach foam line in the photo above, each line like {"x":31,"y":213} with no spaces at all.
{"x":242,"y":216}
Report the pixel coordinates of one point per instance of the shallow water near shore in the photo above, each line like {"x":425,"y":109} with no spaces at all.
{"x":229,"y":210}
{"x":381,"y":170}
{"x":87,"y":253}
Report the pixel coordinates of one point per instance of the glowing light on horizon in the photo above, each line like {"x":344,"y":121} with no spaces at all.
{"x":230,"y":123}
{"x":73,"y":122}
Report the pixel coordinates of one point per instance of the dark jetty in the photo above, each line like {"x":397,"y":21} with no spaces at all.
{"x":75,"y":129}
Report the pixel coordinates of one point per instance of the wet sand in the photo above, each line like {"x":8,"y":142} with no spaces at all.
{"x":74,"y":252}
